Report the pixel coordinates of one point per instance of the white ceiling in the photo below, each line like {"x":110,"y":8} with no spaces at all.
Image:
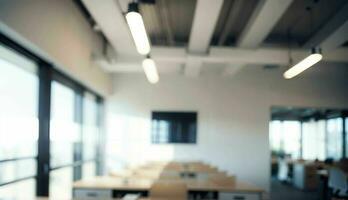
{"x":199,"y":57}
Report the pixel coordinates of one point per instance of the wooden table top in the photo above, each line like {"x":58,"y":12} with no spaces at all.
{"x":145,"y":184}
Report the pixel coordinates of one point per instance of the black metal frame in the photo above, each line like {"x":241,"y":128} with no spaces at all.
{"x":344,"y":133}
{"x":18,"y":159}
{"x":47,"y":73}
{"x":43,"y":161}
{"x":17,"y":180}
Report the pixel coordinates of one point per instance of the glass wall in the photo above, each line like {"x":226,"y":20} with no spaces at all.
{"x":292,"y":138}
{"x":334,"y":138}
{"x":285,"y":138}
{"x":314,"y":140}
{"x":19,"y":86}
{"x":321,"y":139}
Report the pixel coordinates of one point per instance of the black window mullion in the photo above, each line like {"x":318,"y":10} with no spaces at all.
{"x":78,"y":146}
{"x":100,"y":157}
{"x":301,"y":139}
{"x":43,"y":162}
{"x":344,"y":134}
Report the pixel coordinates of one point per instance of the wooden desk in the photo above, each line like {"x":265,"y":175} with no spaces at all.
{"x":112,"y":187}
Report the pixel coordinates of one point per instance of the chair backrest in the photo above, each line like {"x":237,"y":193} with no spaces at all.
{"x":169,"y":190}
{"x":338,"y":181}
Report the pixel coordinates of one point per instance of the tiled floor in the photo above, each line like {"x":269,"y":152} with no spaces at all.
{"x":281,"y":191}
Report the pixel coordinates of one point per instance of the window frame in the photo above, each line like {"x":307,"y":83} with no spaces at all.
{"x":47,"y":72}
{"x":34,"y":72}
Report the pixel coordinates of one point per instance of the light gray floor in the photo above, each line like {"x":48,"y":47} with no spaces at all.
{"x":281,"y":191}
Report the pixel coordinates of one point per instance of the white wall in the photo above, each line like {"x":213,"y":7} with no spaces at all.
{"x":57,"y":30}
{"x":233,"y":115}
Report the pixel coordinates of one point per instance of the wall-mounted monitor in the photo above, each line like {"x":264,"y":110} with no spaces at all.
{"x":174,"y":127}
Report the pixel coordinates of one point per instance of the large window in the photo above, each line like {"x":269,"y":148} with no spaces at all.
{"x":65,"y":139}
{"x":61,"y":181}
{"x":174,"y":127}
{"x":48,"y":123}
{"x":334,"y":138}
{"x":18,"y":125}
{"x":24,"y":189}
{"x":285,"y":138}
{"x":65,"y":131}
{"x":74,"y":137}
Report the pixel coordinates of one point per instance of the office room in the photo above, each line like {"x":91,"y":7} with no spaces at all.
{"x":173,"y":99}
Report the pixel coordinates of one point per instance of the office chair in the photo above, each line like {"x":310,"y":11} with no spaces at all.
{"x":173,"y":190}
{"x":338,"y":182}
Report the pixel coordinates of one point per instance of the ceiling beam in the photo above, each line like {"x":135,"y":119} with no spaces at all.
{"x":193,"y":66}
{"x":204,"y":21}
{"x":231,"y":18}
{"x":108,"y":15}
{"x":333,"y":34}
{"x":232,"y":69}
{"x":232,"y":56}
{"x":165,"y":21}
{"x":235,"y":55}
{"x":264,"y":18}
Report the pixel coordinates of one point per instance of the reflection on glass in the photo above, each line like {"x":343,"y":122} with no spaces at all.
{"x":334,"y":138}
{"x":61,"y":181}
{"x":18,"y":106}
{"x":22,"y":190}
{"x":64,"y":130}
{"x":162,"y":129}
